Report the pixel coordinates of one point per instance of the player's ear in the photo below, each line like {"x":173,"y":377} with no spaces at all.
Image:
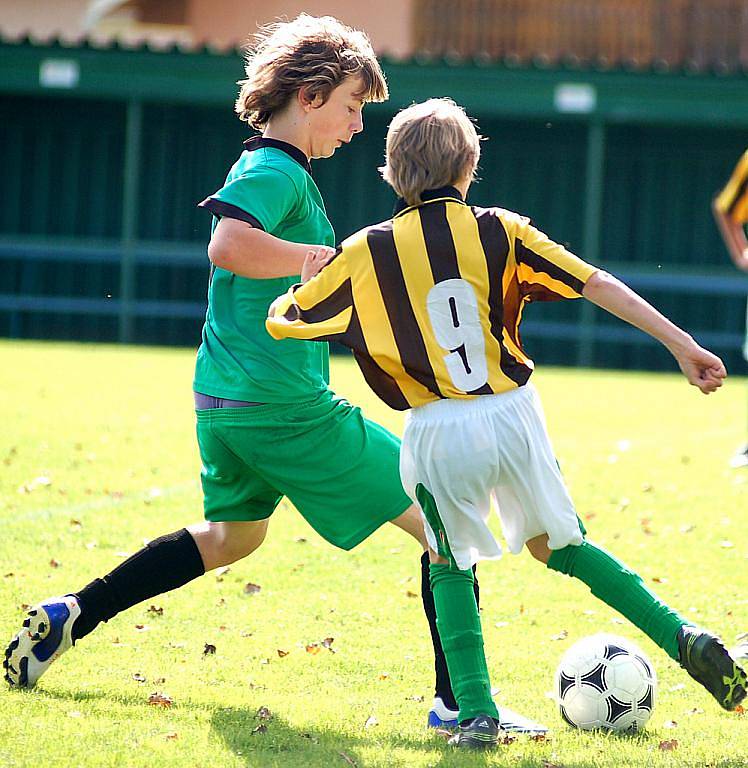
{"x":307,"y":100}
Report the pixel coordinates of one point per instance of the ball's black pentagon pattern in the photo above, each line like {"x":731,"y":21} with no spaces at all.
{"x":647,"y":701}
{"x":564,"y":683}
{"x":611,"y":651}
{"x":617,"y":708}
{"x":595,"y":678}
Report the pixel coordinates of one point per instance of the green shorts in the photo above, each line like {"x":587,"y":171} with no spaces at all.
{"x":340,"y":470}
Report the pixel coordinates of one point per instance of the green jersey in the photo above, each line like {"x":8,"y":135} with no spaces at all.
{"x":270,"y":187}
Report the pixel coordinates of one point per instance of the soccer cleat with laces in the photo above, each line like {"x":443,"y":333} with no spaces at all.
{"x":440,"y":716}
{"x":480,"y":733}
{"x":45,"y":636}
{"x":704,"y":657}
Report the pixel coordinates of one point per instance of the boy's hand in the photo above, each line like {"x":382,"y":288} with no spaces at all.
{"x":702,"y":369}
{"x":316,"y":258}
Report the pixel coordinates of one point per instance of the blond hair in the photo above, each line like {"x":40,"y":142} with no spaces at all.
{"x":316,"y":54}
{"x":430,"y":145}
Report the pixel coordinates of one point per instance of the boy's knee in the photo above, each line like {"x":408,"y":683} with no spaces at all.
{"x":538,"y":548}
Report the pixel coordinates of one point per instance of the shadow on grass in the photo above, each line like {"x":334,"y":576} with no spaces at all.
{"x":271,"y":742}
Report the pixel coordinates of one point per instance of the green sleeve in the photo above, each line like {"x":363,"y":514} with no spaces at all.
{"x":263,"y":197}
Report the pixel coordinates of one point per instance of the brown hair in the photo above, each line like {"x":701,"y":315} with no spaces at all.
{"x":316,"y":54}
{"x":429,"y":145}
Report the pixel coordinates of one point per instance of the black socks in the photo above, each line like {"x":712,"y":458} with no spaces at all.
{"x":162,"y":565}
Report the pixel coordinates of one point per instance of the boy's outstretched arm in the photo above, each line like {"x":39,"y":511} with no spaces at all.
{"x":702,"y":369}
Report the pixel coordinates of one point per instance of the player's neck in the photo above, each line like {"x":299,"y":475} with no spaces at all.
{"x":291,"y":128}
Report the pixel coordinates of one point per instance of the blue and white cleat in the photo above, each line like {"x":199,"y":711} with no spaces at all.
{"x":45,"y":636}
{"x":441,"y":716}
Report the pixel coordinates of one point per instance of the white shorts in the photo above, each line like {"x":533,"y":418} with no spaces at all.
{"x":465,"y":451}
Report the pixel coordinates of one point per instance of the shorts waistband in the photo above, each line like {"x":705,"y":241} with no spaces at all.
{"x":208,"y":401}
{"x":453,"y":408}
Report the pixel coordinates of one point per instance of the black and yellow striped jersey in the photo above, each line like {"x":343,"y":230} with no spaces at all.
{"x":733,"y":199}
{"x":430,"y":301}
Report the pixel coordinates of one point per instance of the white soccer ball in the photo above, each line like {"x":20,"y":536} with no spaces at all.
{"x":605,"y":681}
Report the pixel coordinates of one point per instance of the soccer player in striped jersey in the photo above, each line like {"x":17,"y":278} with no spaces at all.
{"x":430,"y":302}
{"x":731,"y":212}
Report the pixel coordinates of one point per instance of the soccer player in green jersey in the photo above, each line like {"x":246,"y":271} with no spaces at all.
{"x":431,"y":303}
{"x":268,"y":425}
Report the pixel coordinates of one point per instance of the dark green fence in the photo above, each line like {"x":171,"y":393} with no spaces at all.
{"x":101,"y":239}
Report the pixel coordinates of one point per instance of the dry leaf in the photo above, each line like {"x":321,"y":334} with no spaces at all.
{"x":142,"y":627}
{"x":173,"y":736}
{"x":301,"y":540}
{"x":209,"y":649}
{"x":384,"y":676}
{"x":411,"y":593}
{"x":659,"y":580}
{"x":668,"y":745}
{"x":348,"y":760}
{"x":159,"y":681}
{"x":562,"y":635}
{"x":54,"y":564}
{"x":251,"y":589}
{"x":8,"y":575}
{"x":138,"y":677}
{"x":77,"y":524}
{"x":539,"y":737}
{"x":695,"y":711}
{"x":670,"y":724}
{"x":221,"y":572}
{"x":443,"y":733}
{"x":282,"y":653}
{"x":549,"y":764}
{"x":371,"y":721}
{"x":160,"y":700}
{"x":419,"y":699}
{"x":313,"y":648}
{"x":739,"y":710}
{"x":327,"y":643}
{"x":507,"y":739}
{"x":157,"y":610}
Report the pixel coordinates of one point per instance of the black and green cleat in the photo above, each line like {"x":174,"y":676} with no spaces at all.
{"x":704,"y":657}
{"x":482,"y":732}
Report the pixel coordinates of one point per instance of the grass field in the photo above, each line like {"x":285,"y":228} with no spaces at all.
{"x":99,"y":456}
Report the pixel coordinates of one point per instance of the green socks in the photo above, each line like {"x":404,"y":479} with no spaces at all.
{"x":622,"y":589}
{"x":459,"y":628}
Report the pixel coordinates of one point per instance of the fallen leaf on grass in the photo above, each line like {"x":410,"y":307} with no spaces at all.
{"x":371,"y":721}
{"x":348,"y":760}
{"x":221,"y":572}
{"x":562,"y":635}
{"x":251,"y":589}
{"x":549,"y":764}
{"x":411,"y":593}
{"x":507,"y":739}
{"x":142,"y":627}
{"x":159,"y":681}
{"x":695,"y":711}
{"x":138,"y":678}
{"x":209,"y":649}
{"x":327,"y":643}
{"x":54,"y":563}
{"x":668,"y":745}
{"x":384,"y":676}
{"x":419,"y":699}
{"x":443,"y":733}
{"x":313,"y":648}
{"x":173,"y":736}
{"x":160,"y":700}
{"x":659,"y":580}
{"x":76,"y":524}
{"x":687,"y":528}
{"x":8,"y":575}
{"x":282,"y":653}
{"x":670,"y":724}
{"x":739,"y":710}
{"x":539,"y":737}
{"x":300,"y":540}
{"x":156,"y":610}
